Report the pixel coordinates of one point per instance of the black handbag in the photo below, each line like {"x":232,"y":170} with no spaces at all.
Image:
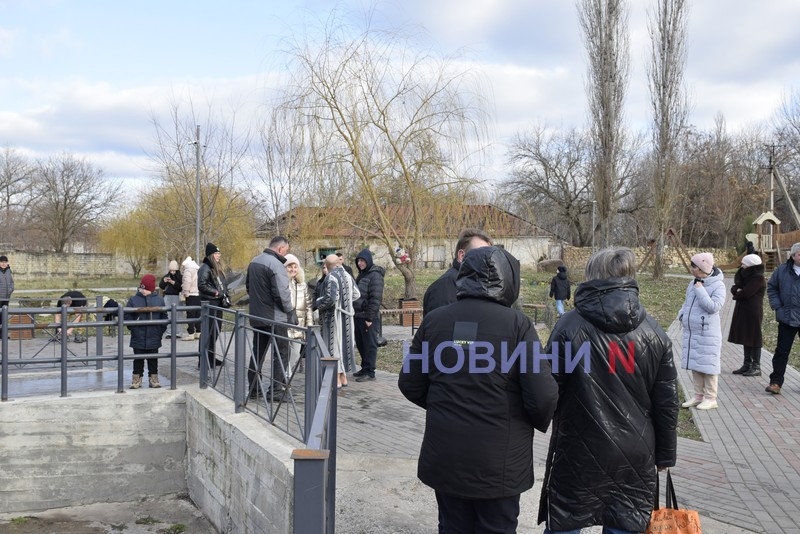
{"x":226,"y":301}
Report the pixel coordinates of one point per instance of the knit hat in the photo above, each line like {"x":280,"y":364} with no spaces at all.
{"x":173,"y":265}
{"x":148,"y":283}
{"x":3,"y":258}
{"x":750,"y":260}
{"x":291,"y":258}
{"x":211,"y":248}
{"x":705,"y":261}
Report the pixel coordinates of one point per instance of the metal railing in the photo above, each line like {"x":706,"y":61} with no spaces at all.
{"x":307,"y":413}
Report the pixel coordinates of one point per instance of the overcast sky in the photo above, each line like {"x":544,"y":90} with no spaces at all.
{"x":88,"y":76}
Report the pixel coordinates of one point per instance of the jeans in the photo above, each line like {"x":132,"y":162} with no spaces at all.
{"x":560,"y":307}
{"x":169,"y":300}
{"x":786,"y":335}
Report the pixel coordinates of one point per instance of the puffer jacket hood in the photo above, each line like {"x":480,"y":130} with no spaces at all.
{"x":189,"y":263}
{"x":366,"y":255}
{"x":489,"y":273}
{"x":616,"y":311}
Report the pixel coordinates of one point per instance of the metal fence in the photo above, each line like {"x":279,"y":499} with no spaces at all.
{"x":301,"y":403}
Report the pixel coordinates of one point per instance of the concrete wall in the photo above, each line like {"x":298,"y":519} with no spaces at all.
{"x":90,"y":448}
{"x":107,"y":447}
{"x":37,"y":265}
{"x":239,"y":470}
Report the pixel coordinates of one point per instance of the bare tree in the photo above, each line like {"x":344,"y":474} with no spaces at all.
{"x":16,"y":173}
{"x":605,"y":25}
{"x":551,"y":173}
{"x":405,"y":124}
{"x":68,"y":196}
{"x":667,"y":26}
{"x":226,"y":207}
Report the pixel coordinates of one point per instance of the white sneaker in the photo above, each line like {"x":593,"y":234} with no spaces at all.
{"x":694,"y":401}
{"x":707,"y":404}
{"x":187,"y":337}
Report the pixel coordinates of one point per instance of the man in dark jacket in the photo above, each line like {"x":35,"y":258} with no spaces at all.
{"x":560,"y":289}
{"x":367,"y":312}
{"x":783,"y":292}
{"x":481,"y":406}
{"x":267,"y":285}
{"x":617,"y":406}
{"x":146,"y":339}
{"x":443,"y":290}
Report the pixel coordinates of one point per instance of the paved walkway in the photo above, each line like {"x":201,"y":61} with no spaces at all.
{"x":743,"y":477}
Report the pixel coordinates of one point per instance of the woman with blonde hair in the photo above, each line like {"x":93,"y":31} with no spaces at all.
{"x":301,"y":303}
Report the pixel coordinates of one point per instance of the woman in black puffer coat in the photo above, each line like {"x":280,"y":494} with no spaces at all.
{"x":617,"y":407}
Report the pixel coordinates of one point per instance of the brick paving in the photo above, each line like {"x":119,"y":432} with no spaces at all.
{"x":743,"y":477}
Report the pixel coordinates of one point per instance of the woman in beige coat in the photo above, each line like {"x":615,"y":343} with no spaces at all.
{"x":301,"y":301}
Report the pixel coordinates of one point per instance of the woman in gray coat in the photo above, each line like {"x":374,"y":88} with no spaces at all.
{"x":702,"y":332}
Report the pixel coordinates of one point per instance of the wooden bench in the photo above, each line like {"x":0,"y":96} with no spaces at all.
{"x":415,"y":313}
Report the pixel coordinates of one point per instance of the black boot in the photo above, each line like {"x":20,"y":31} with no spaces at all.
{"x":755,"y":362}
{"x":747,"y":362}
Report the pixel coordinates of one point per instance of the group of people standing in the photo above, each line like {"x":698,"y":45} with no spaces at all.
{"x":348,"y":311}
{"x":612,"y":426}
{"x":613,"y":411}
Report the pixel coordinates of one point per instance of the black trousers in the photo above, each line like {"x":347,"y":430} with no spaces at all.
{"x":478,"y":516}
{"x":367,"y":344}
{"x":152,"y":363}
{"x":280,"y":357}
{"x":193,"y":300}
{"x":786,"y":335}
{"x":214,"y":324}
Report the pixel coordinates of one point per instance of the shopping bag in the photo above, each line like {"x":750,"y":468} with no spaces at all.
{"x":671,"y":519}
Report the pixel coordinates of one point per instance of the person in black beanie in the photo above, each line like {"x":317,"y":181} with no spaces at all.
{"x":212,"y":287}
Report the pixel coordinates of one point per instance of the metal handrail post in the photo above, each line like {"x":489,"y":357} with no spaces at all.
{"x":64,"y":339}
{"x":4,"y":356}
{"x":313,"y":333}
{"x":204,"y":328}
{"x":120,"y":349}
{"x":240,"y":392}
{"x":98,"y":335}
{"x":173,"y":347}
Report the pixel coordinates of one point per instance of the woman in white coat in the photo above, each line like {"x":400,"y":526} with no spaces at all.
{"x":702,"y":331}
{"x":301,"y":301}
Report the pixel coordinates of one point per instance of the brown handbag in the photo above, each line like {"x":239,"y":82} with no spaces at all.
{"x":671,"y":519}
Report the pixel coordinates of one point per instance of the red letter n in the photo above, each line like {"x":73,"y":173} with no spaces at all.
{"x":615,"y":353}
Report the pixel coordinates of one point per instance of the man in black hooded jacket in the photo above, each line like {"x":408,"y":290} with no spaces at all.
{"x":367,"y":313}
{"x":481,"y":412}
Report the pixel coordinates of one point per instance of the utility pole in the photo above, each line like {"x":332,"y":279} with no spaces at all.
{"x":197,"y":257}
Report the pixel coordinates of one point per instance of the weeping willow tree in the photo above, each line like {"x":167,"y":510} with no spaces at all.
{"x":401,"y":123}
